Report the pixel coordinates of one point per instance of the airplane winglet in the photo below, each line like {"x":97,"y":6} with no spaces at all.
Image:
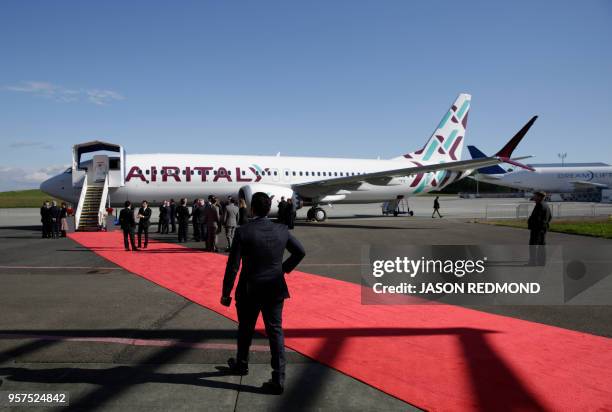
{"x":506,"y":151}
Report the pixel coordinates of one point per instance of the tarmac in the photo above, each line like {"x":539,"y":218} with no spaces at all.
{"x":72,"y":321}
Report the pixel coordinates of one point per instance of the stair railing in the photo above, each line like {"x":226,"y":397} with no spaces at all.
{"x":102,"y":206}
{"x":77,"y":216}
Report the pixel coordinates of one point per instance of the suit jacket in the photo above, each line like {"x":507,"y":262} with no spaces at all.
{"x":146,"y":220}
{"x":54,"y":211}
{"x":231,"y":215}
{"x":540,"y":217}
{"x":163,"y":214}
{"x":211,"y":215}
{"x":260,"y":245}
{"x":127,"y":219}
{"x":182,"y":214}
{"x":198,"y":214}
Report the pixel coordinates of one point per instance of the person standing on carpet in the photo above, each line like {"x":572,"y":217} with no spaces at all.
{"x":182,"y":216}
{"x":260,"y":245}
{"x":128,"y":225}
{"x":144,"y":220}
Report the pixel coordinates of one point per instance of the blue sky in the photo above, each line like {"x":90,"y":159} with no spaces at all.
{"x":318,"y":78}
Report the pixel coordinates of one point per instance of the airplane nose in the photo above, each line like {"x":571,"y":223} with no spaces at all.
{"x":48,"y":186}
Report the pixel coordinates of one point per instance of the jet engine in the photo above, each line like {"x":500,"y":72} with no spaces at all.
{"x":275,"y":193}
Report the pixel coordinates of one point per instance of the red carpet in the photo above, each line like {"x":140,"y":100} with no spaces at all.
{"x":435,"y":357}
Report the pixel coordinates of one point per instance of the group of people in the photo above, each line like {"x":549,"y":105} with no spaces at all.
{"x":53,"y":219}
{"x":286,"y":212}
{"x":208,"y":218}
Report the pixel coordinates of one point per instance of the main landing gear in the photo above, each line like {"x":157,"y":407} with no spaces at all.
{"x":316,"y":213}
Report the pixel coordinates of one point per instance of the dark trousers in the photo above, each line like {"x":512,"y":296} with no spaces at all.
{"x":129,"y":233}
{"x":164,"y":227}
{"x":173,"y":224}
{"x":56,"y":228}
{"x":182,"y":231}
{"x":143,"y":229}
{"x":248,"y":312}
{"x":199,"y":231}
{"x":211,"y":237}
{"x":436,"y":210}
{"x":48,"y":229}
{"x":537,"y":248}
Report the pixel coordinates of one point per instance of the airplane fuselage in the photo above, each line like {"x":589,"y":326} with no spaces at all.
{"x":157,"y":177}
{"x":554,"y":179}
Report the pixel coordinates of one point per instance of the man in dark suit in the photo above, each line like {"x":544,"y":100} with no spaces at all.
{"x":128,"y":225}
{"x":212,"y":219}
{"x":54,"y":211}
{"x":198,"y":214}
{"x":45,"y":219}
{"x":172,"y":216}
{"x":261,"y":287}
{"x":282,"y":205}
{"x":182,"y":215}
{"x":144,"y":220}
{"x":538,"y":223}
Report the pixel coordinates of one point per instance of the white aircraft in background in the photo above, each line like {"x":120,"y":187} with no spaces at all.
{"x":312,"y":181}
{"x":551,"y":178}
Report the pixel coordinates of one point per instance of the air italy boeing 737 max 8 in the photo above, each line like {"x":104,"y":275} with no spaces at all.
{"x":313,"y":181}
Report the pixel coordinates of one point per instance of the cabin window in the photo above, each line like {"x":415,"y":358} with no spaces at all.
{"x":275,"y":173}
{"x":199,"y":172}
{"x":293,"y":173}
{"x":300,"y":173}
{"x":229,"y":172}
{"x":147,"y":171}
{"x":335,"y":173}
{"x":243,"y":172}
{"x":286,"y":173}
{"x":208,"y":172}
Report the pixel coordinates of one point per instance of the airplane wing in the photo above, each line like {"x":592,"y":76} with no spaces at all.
{"x":383,"y":177}
{"x":582,"y":184}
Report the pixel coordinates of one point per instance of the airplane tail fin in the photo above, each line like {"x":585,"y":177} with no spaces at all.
{"x":446,"y":143}
{"x":489,"y":170}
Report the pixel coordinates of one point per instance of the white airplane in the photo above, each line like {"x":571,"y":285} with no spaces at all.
{"x":550,"y":178}
{"x":314,"y":181}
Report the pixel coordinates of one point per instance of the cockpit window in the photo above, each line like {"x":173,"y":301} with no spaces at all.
{"x":69,"y":170}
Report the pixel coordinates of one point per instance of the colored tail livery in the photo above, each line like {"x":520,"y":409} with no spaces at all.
{"x":490,"y":170}
{"x":446,"y":143}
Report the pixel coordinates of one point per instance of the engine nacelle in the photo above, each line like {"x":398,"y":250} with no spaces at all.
{"x":275,"y":193}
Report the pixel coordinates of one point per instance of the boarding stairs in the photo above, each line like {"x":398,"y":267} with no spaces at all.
{"x":90,"y":211}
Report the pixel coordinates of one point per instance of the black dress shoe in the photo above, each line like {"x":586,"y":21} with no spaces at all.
{"x":273,"y":387}
{"x":237,"y":368}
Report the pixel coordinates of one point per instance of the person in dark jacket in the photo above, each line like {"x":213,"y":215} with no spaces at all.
{"x":164,"y":217}
{"x":172,"y":216}
{"x":243,"y":213}
{"x":182,"y":216}
{"x":212,"y":219}
{"x":290,"y":214}
{"x":282,"y":205}
{"x":128,"y":225}
{"x":199,"y":228}
{"x":63,"y":219}
{"x":260,"y":244}
{"x":436,"y":207}
{"x":144,"y":220}
{"x":46,"y":220}
{"x":54,"y":211}
{"x":538,"y":224}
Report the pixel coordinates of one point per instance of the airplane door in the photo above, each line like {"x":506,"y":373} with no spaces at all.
{"x":100,"y":168}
